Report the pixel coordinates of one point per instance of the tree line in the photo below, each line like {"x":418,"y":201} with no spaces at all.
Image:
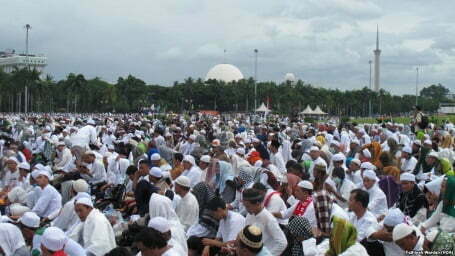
{"x":75,"y":93}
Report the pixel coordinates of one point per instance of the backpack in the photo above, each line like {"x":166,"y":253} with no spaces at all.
{"x":424,"y":122}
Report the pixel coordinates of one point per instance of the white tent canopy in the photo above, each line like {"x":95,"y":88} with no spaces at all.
{"x":307,"y":111}
{"x":263,"y":108}
{"x":318,"y":111}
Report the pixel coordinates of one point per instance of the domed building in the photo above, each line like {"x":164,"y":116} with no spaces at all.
{"x":290,"y":77}
{"x":224,"y":72}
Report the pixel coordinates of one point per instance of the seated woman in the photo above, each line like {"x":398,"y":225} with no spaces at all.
{"x":343,"y":240}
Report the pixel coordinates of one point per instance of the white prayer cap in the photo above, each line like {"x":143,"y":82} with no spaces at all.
{"x":305,"y":184}
{"x":367,"y":165}
{"x":35,"y":174}
{"x":54,"y":239}
{"x":12,"y":158}
{"x":18,"y":209}
{"x":240,"y":151}
{"x":407,"y":150}
{"x":156,"y":172}
{"x":192,"y":137}
{"x":432,"y":234}
{"x":159,"y":224}
{"x":355,"y":141}
{"x":255,"y":140}
{"x":155,"y":157}
{"x":216,"y":143}
{"x":366,"y":153}
{"x":401,"y":230}
{"x":91,"y":121}
{"x":314,"y":148}
{"x":168,"y":134}
{"x":44,"y":173}
{"x":189,"y":159}
{"x":394,"y":217}
{"x":428,"y":142}
{"x":408,"y":177}
{"x":24,"y":165}
{"x":205,"y":159}
{"x":417,"y":142}
{"x":335,"y":142}
{"x":434,"y":186}
{"x":338,"y":157}
{"x":370,"y":174}
{"x":356,"y":161}
{"x":433,"y":154}
{"x":85,"y":201}
{"x":258,"y":163}
{"x":30,"y":219}
{"x":80,"y":185}
{"x":183,"y":181}
{"x":17,"y":195}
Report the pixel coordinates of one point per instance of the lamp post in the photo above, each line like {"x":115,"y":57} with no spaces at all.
{"x":255,"y":78}
{"x":417,"y":85}
{"x":27,"y":28}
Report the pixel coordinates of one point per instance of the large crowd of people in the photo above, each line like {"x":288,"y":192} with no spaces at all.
{"x":120,"y":185}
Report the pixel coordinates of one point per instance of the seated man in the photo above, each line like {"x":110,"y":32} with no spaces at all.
{"x":249,"y":242}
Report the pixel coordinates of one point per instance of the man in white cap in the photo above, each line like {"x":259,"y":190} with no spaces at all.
{"x":188,"y":147}
{"x":384,"y":234}
{"x":24,"y":178}
{"x":54,"y":242}
{"x":412,"y":201}
{"x":152,"y":242}
{"x":378,"y":201}
{"x":407,"y":238}
{"x":353,"y":172}
{"x":204,"y":162}
{"x":96,"y":234}
{"x":29,"y":224}
{"x":157,"y":161}
{"x":304,"y":207}
{"x":50,"y":200}
{"x":67,"y":217}
{"x":187,"y":208}
{"x":191,"y":170}
{"x":408,"y":162}
{"x":316,"y":159}
{"x":11,"y":173}
{"x":157,"y":180}
{"x":163,"y":226}
{"x":64,"y":157}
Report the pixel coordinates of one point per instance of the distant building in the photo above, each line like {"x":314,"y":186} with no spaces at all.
{"x":9,"y":61}
{"x":224,"y":72}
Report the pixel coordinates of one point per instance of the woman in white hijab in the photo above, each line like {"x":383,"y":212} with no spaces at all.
{"x":161,"y":206}
{"x":11,"y":241}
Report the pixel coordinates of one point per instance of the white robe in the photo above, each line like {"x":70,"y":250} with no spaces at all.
{"x":97,"y":234}
{"x":49,"y":202}
{"x":378,"y":201}
{"x":188,"y":210}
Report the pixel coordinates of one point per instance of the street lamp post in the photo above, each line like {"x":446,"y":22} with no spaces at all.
{"x":27,"y":28}
{"x":255,"y":78}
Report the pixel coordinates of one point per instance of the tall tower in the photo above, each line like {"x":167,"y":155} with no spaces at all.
{"x":377,"y":54}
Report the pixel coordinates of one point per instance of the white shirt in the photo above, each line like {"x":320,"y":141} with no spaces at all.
{"x":188,"y":210}
{"x":365,"y":225}
{"x":194,"y":174}
{"x":230,"y":226}
{"x":97,"y":171}
{"x":345,"y":192}
{"x":63,"y":159}
{"x":272,"y":235}
{"x":84,"y":137}
{"x":97,"y":234}
{"x":408,"y":165}
{"x":378,"y":201}
{"x":355,"y":177}
{"x":309,"y":213}
{"x":49,"y":202}
{"x":276,"y":204}
{"x":277,"y":160}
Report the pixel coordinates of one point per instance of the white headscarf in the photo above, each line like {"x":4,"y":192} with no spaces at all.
{"x":11,"y":238}
{"x":161,"y":206}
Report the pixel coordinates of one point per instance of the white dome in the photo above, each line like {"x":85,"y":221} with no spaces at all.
{"x":289,"y":77}
{"x":224,"y":72}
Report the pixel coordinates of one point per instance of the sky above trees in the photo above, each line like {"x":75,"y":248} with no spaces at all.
{"x":323,"y":42}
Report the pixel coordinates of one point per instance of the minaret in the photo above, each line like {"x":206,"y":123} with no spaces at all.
{"x":377,"y":54}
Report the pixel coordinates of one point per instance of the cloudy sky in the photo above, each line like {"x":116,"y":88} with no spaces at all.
{"x":324,"y":42}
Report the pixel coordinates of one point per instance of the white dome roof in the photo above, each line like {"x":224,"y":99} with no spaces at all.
{"x":289,"y":77}
{"x":224,"y":72}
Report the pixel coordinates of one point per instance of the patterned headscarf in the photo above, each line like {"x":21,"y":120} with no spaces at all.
{"x":343,"y":236}
{"x":299,"y":227}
